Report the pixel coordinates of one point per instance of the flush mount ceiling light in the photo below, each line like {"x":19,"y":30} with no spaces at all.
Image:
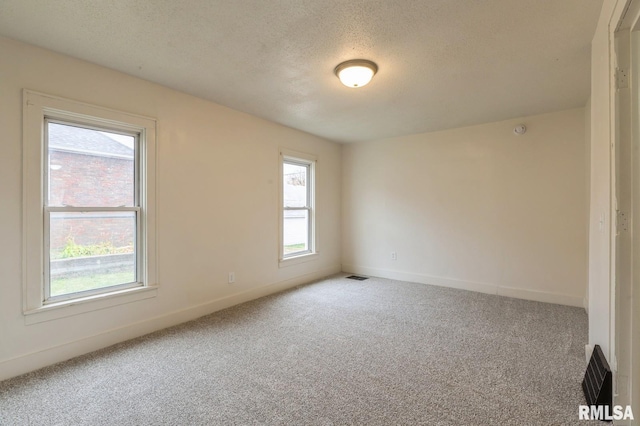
{"x":520,"y":129}
{"x":356,"y":72}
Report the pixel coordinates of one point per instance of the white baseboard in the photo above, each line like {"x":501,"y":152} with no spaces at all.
{"x":540,"y":296}
{"x":29,"y":362}
{"x":585,"y":305}
{"x":518,"y":293}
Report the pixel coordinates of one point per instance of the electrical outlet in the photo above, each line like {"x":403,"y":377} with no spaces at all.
{"x":232,"y":277}
{"x":394,"y":255}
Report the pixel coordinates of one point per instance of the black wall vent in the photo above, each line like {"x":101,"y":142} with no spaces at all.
{"x":597,"y":385}
{"x":357,"y":277}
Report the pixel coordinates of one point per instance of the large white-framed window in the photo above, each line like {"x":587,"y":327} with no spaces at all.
{"x":89,"y":207}
{"x":298,"y":240}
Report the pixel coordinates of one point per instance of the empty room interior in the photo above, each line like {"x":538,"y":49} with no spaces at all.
{"x":318,"y":211}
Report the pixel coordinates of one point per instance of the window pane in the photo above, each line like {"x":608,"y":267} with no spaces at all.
{"x":295,"y":185}
{"x":91,"y":250}
{"x":90,"y":168}
{"x":296,"y":231}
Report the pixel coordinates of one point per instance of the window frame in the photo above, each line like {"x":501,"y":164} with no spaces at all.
{"x":310,"y":162}
{"x":38,"y":110}
{"x":48,"y":210}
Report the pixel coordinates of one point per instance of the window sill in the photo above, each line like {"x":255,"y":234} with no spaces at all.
{"x":68,"y":308}
{"x":295,"y":260}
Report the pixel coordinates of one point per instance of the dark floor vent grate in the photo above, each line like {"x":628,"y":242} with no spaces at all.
{"x":357,"y":277}
{"x":597,"y":380}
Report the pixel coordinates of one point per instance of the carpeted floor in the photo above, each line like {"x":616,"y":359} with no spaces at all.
{"x":337,"y":351}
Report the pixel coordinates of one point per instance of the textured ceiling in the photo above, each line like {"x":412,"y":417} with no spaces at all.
{"x":442,"y":63}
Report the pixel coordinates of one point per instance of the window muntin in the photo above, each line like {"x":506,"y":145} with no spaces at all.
{"x":91,"y":210}
{"x":297,"y":214}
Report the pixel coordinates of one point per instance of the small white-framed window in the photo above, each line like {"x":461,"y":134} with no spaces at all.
{"x":89,"y":193}
{"x":297,"y":208}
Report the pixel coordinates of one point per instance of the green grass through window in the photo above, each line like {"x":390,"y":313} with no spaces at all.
{"x":60,"y":286}
{"x":292,"y":248}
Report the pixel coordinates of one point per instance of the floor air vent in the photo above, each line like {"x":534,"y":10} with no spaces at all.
{"x":597,"y":380}
{"x":357,"y":277}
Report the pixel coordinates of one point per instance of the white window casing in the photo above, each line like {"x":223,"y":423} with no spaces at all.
{"x":308,"y":162}
{"x":38,"y":109}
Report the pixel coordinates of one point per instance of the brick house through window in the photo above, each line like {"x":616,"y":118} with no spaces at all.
{"x":81,"y":161}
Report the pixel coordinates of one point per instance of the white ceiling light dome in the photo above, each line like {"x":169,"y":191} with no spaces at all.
{"x":520,"y":129}
{"x":356,"y":72}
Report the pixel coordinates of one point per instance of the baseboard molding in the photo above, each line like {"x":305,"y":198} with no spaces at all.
{"x":540,"y":296}
{"x":29,"y":362}
{"x":518,"y":293}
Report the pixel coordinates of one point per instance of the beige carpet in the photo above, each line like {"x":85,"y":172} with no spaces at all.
{"x":337,"y":351}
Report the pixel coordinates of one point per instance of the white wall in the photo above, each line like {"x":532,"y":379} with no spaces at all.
{"x":216,"y":203}
{"x":476,"y":207}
